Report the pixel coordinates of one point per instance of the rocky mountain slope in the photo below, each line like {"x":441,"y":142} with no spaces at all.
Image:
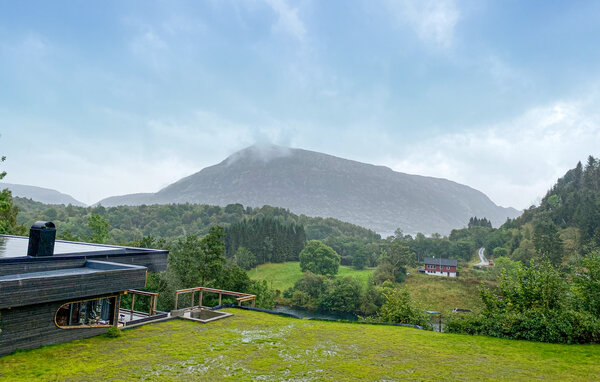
{"x":317,"y":184}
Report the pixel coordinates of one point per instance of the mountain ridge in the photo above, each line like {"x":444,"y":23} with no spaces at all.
{"x":41,"y":194}
{"x":318,"y":184}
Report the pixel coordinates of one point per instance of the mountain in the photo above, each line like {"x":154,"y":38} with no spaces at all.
{"x":39,"y":194}
{"x":317,"y":184}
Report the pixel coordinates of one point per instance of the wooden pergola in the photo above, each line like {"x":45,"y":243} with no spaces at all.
{"x":241,"y":297}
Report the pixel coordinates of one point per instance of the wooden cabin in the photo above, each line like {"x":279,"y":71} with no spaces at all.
{"x":54,"y":291}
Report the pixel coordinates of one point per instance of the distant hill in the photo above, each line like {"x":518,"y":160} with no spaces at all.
{"x":39,"y":194}
{"x":317,"y":184}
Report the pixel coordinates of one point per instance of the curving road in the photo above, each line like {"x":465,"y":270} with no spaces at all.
{"x":483,"y":261}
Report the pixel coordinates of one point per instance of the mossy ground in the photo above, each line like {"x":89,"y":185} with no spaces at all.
{"x":282,"y":276}
{"x":259,"y":346}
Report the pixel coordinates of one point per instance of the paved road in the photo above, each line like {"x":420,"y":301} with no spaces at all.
{"x":482,"y":258}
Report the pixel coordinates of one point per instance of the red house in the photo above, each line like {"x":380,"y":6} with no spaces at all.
{"x":440,"y":267}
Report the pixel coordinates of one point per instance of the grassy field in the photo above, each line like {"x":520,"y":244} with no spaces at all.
{"x":258,"y":346}
{"x":443,"y":293}
{"x":283,"y":275}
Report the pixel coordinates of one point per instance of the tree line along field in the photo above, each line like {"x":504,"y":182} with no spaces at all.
{"x":251,"y":346}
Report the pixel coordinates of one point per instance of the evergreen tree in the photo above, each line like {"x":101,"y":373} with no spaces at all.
{"x":547,"y":240}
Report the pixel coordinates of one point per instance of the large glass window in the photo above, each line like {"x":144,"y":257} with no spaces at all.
{"x":84,"y":314}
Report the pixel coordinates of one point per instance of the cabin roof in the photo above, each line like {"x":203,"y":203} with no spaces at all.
{"x":14,"y":259}
{"x":16,"y":247}
{"x":440,"y":261}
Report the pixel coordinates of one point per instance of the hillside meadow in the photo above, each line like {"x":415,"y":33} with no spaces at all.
{"x":282,"y":276}
{"x":429,"y":292}
{"x":259,"y":346}
{"x":443,"y":293}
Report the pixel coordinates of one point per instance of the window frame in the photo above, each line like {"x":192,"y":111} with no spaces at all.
{"x":66,"y":327}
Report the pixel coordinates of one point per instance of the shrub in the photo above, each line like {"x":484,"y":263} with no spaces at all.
{"x":342,"y":295}
{"x":113,"y":332}
{"x":399,"y":308}
{"x":534,"y":304}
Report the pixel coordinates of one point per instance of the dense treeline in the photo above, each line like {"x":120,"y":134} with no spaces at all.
{"x":268,"y":239}
{"x":476,"y":222}
{"x":131,"y":223}
{"x":574,"y":201}
{"x":563,"y":228}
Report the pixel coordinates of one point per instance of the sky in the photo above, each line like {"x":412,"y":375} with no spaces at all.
{"x":114,"y":97}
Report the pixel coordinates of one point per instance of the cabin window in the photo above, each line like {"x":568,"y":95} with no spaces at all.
{"x":86,"y":314}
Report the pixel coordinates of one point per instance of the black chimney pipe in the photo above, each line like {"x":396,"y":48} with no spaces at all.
{"x":42,"y":236}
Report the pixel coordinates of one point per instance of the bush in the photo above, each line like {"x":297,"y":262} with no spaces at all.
{"x":534,"y":304}
{"x":566,"y":327}
{"x":113,"y":332}
{"x":400,"y":309}
{"x":342,"y":295}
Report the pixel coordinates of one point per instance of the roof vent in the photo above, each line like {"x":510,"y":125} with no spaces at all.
{"x":42,"y":236}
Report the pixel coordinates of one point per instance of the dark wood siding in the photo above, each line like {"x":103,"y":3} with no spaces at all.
{"x":38,"y":290}
{"x":33,"y":326}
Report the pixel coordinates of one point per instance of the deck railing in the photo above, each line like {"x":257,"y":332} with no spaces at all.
{"x":241,"y":297}
{"x":152,"y":303}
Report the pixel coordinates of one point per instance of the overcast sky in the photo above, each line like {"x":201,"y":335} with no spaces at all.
{"x":114,"y":97}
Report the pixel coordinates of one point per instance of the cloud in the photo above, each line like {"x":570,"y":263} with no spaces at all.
{"x":288,"y":19}
{"x":514,"y":162}
{"x":433,"y":21}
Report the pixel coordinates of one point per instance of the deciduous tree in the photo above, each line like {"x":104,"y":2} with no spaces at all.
{"x":319,"y":258}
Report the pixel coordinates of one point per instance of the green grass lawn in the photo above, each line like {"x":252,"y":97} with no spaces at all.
{"x":443,"y":293}
{"x":258,"y":346}
{"x":283,"y":275}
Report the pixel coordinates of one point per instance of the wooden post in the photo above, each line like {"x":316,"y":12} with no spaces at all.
{"x":153,"y":304}
{"x":220,"y":295}
{"x":201,"y":298}
{"x":440,"y":323}
{"x":176,"y":298}
{"x":132,"y":306}
{"x":253,"y":302}
{"x":193,"y":297}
